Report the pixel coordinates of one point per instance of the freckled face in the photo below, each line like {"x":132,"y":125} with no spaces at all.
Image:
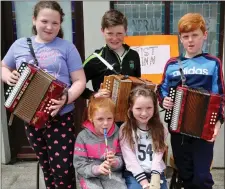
{"x":114,"y":36}
{"x":143,"y":109}
{"x":102,"y":118}
{"x":193,"y":42}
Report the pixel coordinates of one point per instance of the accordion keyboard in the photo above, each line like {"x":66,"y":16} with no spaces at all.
{"x":176,"y":110}
{"x":168,"y":113}
{"x":16,"y":89}
{"x":10,"y":88}
{"x":115,"y":90}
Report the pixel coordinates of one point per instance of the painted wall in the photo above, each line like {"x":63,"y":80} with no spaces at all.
{"x":93,"y":12}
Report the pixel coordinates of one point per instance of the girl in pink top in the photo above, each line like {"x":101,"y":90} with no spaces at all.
{"x":142,"y":143}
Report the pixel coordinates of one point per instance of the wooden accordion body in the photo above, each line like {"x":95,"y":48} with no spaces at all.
{"x":120,"y":87}
{"x":194,"y":113}
{"x":30,"y":97}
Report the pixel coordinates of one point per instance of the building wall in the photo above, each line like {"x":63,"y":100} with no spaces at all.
{"x":93,"y":39}
{"x":93,"y":12}
{"x":5,"y":148}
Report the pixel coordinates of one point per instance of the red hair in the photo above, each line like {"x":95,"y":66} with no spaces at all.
{"x":190,"y":22}
{"x":101,"y":102}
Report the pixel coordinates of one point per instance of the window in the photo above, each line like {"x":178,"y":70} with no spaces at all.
{"x":157,"y":17}
{"x":209,"y":10}
{"x":144,"y":18}
{"x":22,"y":20}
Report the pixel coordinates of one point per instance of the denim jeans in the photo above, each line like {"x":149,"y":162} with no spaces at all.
{"x":132,"y":183}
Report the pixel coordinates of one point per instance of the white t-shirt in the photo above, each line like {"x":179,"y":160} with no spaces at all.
{"x":144,"y":150}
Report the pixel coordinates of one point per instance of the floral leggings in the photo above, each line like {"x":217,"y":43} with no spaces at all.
{"x":54,"y":147}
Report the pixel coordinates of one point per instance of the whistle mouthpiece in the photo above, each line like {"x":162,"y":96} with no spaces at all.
{"x":105,"y":132}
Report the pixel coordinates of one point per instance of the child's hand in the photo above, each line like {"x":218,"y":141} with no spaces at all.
{"x":104,"y":168}
{"x":216,"y":131}
{"x":167,"y":103}
{"x":102,"y":93}
{"x":13,"y":78}
{"x":110,"y":156}
{"x":57,"y":105}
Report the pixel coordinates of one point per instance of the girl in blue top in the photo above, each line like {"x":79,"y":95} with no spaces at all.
{"x":54,"y":143}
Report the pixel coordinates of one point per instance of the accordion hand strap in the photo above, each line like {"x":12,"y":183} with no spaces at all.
{"x":29,"y":42}
{"x":183,"y":78}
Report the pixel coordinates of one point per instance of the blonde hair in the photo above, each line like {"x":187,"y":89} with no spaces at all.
{"x":190,"y":22}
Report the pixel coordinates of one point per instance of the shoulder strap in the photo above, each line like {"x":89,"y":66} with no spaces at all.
{"x":183,"y":78}
{"x":29,"y":42}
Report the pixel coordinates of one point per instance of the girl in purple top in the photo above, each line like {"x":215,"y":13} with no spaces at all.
{"x":53,"y":144}
{"x":142,"y":143}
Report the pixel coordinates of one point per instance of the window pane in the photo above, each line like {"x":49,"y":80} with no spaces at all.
{"x":23,"y":15}
{"x":209,"y":10}
{"x":144,"y":17}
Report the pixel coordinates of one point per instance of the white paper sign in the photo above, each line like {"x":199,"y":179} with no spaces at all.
{"x":153,"y":58}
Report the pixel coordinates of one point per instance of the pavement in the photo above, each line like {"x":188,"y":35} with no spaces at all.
{"x":22,"y":175}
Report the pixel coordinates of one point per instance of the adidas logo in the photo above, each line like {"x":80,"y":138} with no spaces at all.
{"x":192,"y":71}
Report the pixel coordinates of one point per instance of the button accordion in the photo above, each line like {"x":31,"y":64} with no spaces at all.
{"x":194,"y":113}
{"x":30,"y":98}
{"x":120,"y":87}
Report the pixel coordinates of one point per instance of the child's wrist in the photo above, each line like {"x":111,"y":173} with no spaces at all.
{"x":146,"y":186}
{"x":96,"y":170}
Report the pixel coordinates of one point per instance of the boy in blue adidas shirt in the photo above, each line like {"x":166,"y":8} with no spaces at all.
{"x":193,"y":156}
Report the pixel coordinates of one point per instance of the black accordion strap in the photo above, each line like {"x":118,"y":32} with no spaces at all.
{"x":29,"y":42}
{"x":183,"y":78}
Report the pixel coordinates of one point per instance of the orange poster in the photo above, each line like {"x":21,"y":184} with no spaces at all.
{"x":154,"y":52}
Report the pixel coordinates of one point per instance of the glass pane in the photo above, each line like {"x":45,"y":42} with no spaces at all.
{"x":144,"y":17}
{"x":24,"y":12}
{"x":209,"y":10}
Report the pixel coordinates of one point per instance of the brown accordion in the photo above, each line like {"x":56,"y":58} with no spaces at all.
{"x":120,"y":87}
{"x":30,"y":98}
{"x":194,"y":113}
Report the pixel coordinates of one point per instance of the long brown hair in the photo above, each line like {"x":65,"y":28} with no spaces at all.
{"x":50,"y":5}
{"x":154,"y":125}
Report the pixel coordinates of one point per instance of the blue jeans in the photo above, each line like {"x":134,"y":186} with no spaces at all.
{"x":132,"y":183}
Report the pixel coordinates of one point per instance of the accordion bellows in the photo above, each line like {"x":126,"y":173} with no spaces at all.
{"x":120,"y":88}
{"x":30,"y":98}
{"x":194,"y":113}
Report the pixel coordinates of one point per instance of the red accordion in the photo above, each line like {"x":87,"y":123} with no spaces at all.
{"x":194,"y":113}
{"x":30,"y":98}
